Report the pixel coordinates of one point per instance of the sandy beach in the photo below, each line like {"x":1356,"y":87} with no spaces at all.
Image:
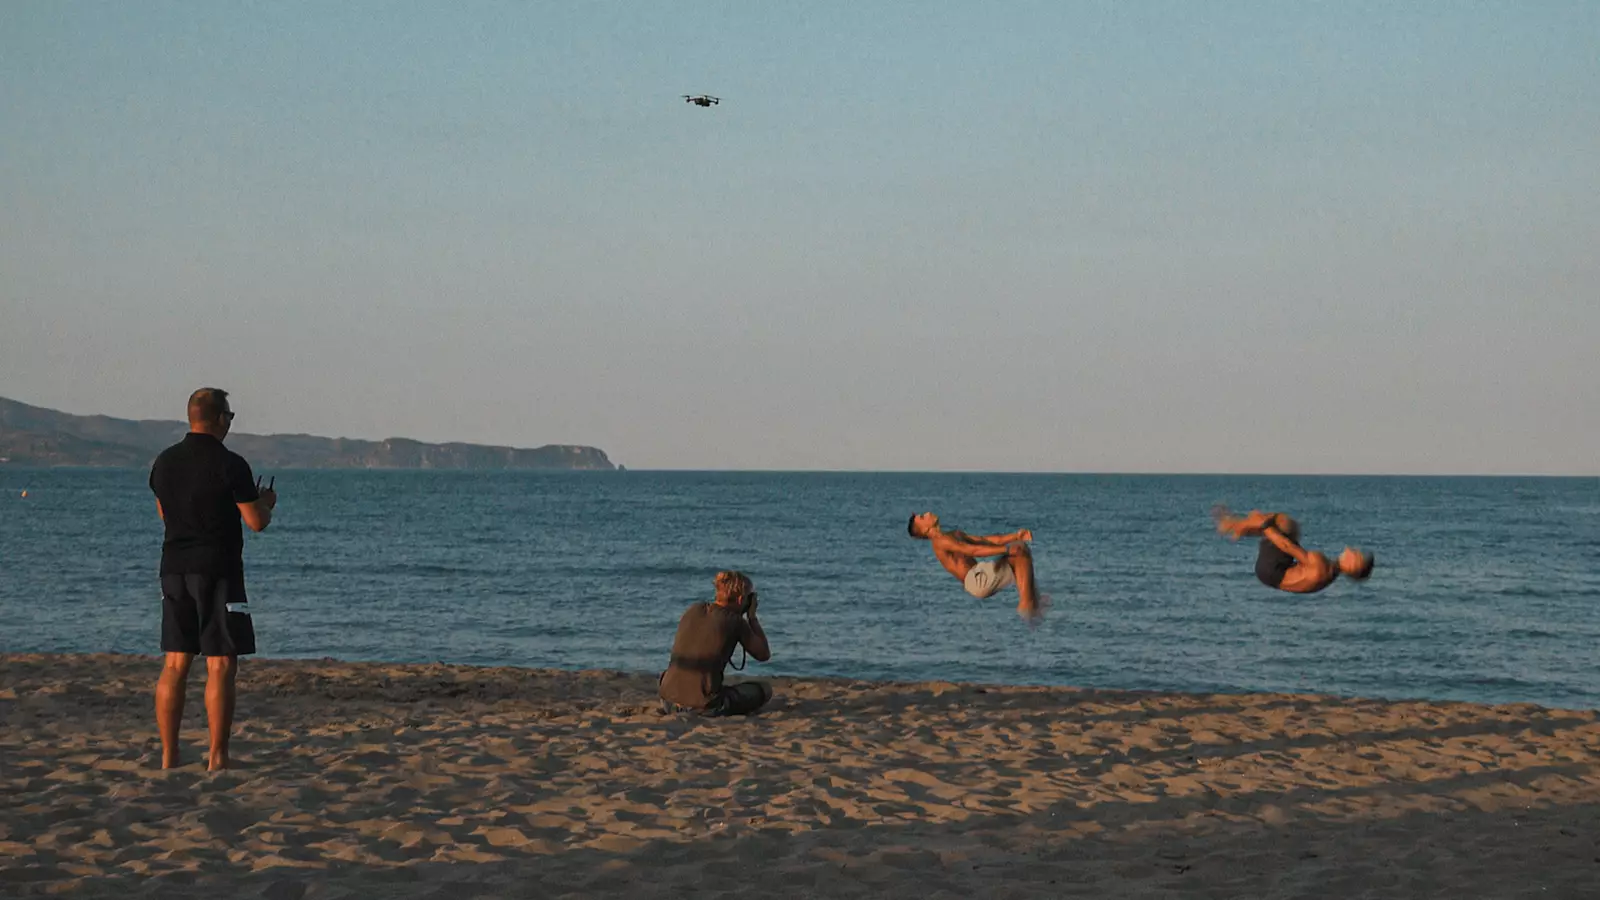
{"x":377,"y":780}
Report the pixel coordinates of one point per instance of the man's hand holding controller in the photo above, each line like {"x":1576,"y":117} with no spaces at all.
{"x":268,"y":496}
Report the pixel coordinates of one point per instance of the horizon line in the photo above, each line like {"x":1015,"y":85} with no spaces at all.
{"x":19,"y":467}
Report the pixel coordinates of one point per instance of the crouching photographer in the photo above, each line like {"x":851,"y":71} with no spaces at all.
{"x":704,"y":645}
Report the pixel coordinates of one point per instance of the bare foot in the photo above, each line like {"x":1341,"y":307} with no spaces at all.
{"x":217,"y":762}
{"x":170,"y":760}
{"x":1229,"y":524}
{"x":1033,"y":613}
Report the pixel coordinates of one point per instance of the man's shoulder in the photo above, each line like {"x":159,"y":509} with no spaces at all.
{"x":170,"y":455}
{"x":701,"y":611}
{"x":191,"y":448}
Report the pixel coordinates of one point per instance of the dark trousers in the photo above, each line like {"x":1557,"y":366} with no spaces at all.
{"x":740,"y":699}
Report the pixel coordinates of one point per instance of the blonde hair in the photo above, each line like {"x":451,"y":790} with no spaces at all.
{"x":732,"y":587}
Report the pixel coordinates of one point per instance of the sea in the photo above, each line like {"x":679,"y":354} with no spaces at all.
{"x":1485,"y":589}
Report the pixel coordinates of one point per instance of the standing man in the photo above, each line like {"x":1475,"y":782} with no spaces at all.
{"x":1006,"y":561}
{"x":202,"y":492}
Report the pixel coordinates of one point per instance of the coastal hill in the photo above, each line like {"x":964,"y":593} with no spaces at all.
{"x":34,"y":436}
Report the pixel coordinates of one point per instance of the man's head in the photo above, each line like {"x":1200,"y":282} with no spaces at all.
{"x":209,"y":412}
{"x":733,"y":588}
{"x":1355,"y":564}
{"x":922,"y":524}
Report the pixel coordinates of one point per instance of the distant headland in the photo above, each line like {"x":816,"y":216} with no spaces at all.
{"x":34,"y":436}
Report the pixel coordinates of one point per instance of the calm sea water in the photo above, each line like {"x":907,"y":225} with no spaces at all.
{"x":1486,"y":589}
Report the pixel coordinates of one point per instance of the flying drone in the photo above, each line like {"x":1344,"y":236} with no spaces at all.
{"x":702,"y":100}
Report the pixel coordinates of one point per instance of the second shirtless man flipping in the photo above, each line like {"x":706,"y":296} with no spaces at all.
{"x":1005,"y":560}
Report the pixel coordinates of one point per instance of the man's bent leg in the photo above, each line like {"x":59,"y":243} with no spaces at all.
{"x":1020,"y":558}
{"x":169,"y":704}
{"x":1257,"y":522}
{"x":220,"y":672}
{"x":740,"y":699}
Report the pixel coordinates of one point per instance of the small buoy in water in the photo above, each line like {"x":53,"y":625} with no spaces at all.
{"x":24,"y":493}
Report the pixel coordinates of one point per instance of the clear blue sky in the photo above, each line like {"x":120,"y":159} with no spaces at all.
{"x":1265,"y":237}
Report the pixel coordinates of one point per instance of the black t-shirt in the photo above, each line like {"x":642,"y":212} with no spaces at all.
{"x":200,"y":484}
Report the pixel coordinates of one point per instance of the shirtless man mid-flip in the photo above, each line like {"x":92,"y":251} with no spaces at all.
{"x":1007,"y":560}
{"x":1281,"y":562}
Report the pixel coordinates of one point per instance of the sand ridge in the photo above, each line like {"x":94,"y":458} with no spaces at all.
{"x":362,"y":779}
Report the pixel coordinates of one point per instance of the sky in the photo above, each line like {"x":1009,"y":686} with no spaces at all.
{"x":1009,"y":236}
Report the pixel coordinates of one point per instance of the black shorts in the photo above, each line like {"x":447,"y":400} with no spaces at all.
{"x":196,"y":616}
{"x":1272,"y":564}
{"x":740,"y":699}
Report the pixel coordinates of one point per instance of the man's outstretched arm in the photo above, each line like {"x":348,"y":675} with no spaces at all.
{"x":1022,"y":535}
{"x":973,"y":548}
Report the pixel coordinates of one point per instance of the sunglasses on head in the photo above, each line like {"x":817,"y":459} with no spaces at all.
{"x":228,"y":415}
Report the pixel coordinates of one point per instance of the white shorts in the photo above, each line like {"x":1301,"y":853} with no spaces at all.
{"x":988,"y":576}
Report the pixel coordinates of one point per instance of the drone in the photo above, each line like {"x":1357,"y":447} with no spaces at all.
{"x":702,"y":100}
